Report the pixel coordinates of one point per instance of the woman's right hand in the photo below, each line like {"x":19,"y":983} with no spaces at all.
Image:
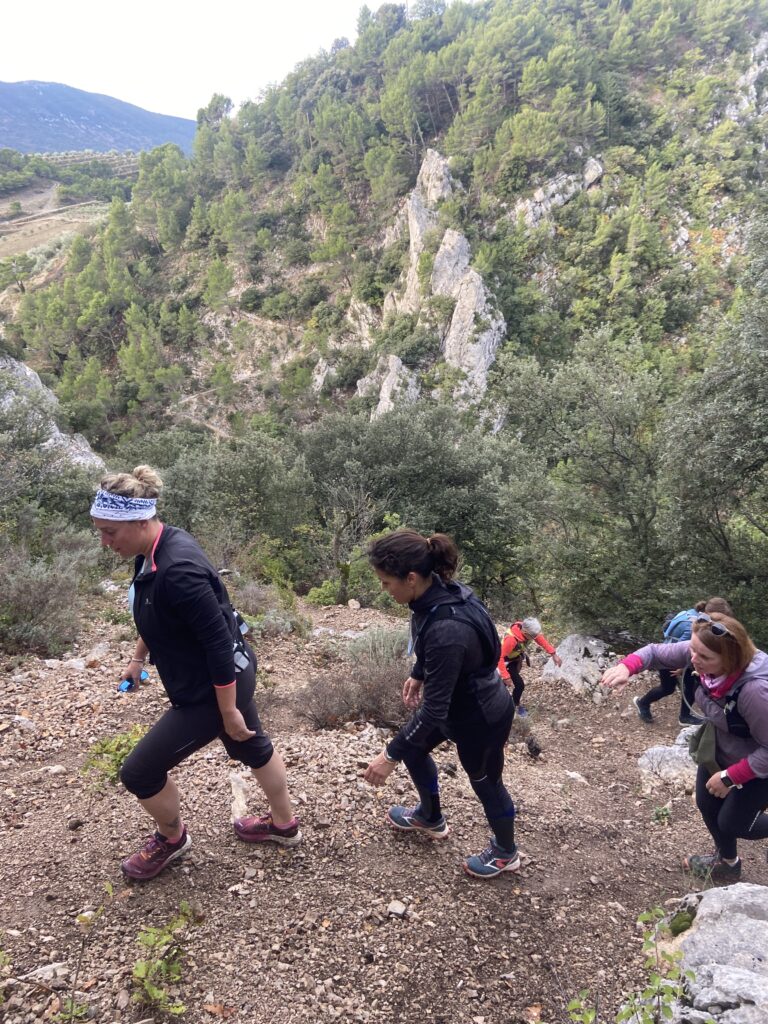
{"x":133,"y":671}
{"x":412,"y":692}
{"x":616,"y":678}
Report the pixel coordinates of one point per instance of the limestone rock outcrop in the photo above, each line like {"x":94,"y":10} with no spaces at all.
{"x":394,"y":383}
{"x":751,"y":94}
{"x":20,"y":383}
{"x":556,"y":192}
{"x":725,"y":950}
{"x":584,"y":660}
{"x":476,"y":328}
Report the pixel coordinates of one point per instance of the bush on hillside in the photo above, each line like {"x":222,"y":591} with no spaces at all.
{"x":365,"y":686}
{"x":39,"y":601}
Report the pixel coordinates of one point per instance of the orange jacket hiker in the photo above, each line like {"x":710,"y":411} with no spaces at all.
{"x":515,"y":641}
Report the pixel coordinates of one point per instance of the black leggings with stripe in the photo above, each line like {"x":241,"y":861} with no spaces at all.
{"x":183,"y":730}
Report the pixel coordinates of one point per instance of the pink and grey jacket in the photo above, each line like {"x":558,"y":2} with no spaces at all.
{"x":745,"y":758}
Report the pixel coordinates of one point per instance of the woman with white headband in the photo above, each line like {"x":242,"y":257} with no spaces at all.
{"x":187,"y":627}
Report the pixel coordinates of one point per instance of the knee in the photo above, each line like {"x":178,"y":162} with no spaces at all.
{"x":139,"y":781}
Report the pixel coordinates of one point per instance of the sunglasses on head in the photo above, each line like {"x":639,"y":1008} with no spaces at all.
{"x":716,"y":628}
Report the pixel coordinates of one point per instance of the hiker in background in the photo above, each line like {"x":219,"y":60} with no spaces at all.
{"x":731,"y":747}
{"x":676,"y":628}
{"x":188,"y":628}
{"x":513,"y":652}
{"x":454,"y":692}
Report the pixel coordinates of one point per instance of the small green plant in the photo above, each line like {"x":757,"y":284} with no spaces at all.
{"x":666,"y":978}
{"x":4,"y":961}
{"x":164,"y":965}
{"x":666,"y":981}
{"x":579,"y":1010}
{"x":71,"y":1007}
{"x":118,"y":617}
{"x":107,"y":755}
{"x":662,"y":815}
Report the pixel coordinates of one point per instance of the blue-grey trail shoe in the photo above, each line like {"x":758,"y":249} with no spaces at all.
{"x":492,"y":861}
{"x":406,"y":819}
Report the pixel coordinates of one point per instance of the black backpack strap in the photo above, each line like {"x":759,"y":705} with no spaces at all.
{"x":474,"y":614}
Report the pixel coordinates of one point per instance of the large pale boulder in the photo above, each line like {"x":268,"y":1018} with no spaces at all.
{"x":19,"y":383}
{"x":584,"y":660}
{"x":725,"y":949}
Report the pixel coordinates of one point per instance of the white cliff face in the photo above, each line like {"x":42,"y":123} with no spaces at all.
{"x":18,"y":383}
{"x":363,"y":320}
{"x":556,"y":192}
{"x":476,"y":329}
{"x":394,"y":383}
{"x":748,"y":103}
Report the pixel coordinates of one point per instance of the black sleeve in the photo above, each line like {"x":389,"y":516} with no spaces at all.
{"x":445,"y":651}
{"x":190,"y":595}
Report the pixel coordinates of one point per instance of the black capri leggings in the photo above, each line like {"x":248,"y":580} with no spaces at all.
{"x":183,"y":730}
{"x":739,"y":816}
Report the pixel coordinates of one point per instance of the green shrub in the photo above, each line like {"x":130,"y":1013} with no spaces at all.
{"x":365,"y":686}
{"x":106,"y":756}
{"x":39,"y":601}
{"x":326,"y":594}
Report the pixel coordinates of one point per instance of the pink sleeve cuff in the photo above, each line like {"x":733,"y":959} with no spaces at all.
{"x":224,"y":686}
{"x":741,"y":772}
{"x":633,"y":663}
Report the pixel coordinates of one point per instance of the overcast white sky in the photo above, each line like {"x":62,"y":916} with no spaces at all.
{"x":169,"y":56}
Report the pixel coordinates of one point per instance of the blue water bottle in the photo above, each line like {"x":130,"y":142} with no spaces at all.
{"x":127,"y":684}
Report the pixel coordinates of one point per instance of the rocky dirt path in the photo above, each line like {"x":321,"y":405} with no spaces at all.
{"x":357,"y":923}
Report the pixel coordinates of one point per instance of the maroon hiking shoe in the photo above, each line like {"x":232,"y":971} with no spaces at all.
{"x":264,"y":830}
{"x":155,"y":854}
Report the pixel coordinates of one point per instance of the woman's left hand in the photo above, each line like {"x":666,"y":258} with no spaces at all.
{"x":235,"y":727}
{"x":379,"y":770}
{"x":716,"y":786}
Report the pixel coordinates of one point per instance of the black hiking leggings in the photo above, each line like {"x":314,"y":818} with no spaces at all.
{"x":518,"y":683}
{"x":480,"y":748}
{"x":183,"y":730}
{"x":668,"y":683}
{"x":739,"y":816}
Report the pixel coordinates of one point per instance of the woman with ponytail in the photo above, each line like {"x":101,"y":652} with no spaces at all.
{"x":454,"y":691}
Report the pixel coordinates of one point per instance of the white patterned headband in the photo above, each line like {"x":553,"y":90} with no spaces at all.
{"x":121,"y":508}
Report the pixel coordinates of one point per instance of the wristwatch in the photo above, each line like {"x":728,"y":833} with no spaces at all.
{"x":726,"y":779}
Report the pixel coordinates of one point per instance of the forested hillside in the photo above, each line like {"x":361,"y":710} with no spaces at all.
{"x":606,"y":163}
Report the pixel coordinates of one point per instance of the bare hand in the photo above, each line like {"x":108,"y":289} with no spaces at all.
{"x":557,"y":659}
{"x":716,"y":786}
{"x":379,"y":770}
{"x":235,"y":727}
{"x":133,"y":672}
{"x":412,"y":692}
{"x":616,"y":678}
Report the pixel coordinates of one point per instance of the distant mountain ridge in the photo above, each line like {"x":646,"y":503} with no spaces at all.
{"x":44,"y":117}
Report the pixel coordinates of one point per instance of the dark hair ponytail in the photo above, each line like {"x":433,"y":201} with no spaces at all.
{"x":406,"y":551}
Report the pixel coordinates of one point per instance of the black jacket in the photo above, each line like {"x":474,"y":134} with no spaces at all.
{"x":461,"y":683}
{"x":183,"y":615}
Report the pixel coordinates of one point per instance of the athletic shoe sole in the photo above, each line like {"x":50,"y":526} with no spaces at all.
{"x":514,"y":865}
{"x":421,"y":830}
{"x":280,"y":840}
{"x":174,"y":856}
